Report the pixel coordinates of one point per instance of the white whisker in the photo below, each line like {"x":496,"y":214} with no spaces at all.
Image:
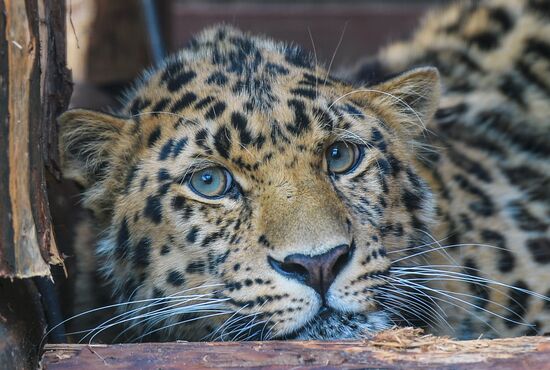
{"x":436,"y":272}
{"x":399,"y":100}
{"x":450,"y":296}
{"x":443,"y":248}
{"x":316,"y":61}
{"x":336,"y":51}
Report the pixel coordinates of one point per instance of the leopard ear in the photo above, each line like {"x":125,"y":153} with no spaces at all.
{"x":86,"y":141}
{"x":407,"y":101}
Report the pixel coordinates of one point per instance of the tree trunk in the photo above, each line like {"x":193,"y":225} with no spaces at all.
{"x":35,"y":88}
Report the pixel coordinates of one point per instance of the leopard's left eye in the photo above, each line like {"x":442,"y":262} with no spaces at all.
{"x":211,"y":182}
{"x":342,"y":157}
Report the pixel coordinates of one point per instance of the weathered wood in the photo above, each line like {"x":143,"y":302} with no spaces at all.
{"x":389,"y":350}
{"x":56,"y":87}
{"x":35,"y":88}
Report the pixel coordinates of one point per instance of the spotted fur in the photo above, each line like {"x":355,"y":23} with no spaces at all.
{"x":198,"y":268}
{"x":490,"y":168}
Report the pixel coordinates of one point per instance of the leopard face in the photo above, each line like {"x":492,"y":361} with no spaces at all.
{"x":243,"y":193}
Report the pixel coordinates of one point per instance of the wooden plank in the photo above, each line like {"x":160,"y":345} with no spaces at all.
{"x":56,"y":84}
{"x":396,"y":349}
{"x":35,"y":89}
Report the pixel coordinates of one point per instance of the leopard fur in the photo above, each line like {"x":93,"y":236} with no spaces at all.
{"x":473,"y":178}
{"x":491,"y":170}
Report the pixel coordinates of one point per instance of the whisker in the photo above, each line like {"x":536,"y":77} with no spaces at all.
{"x":467,"y":295}
{"x":224,"y":334}
{"x":399,"y":100}
{"x":262,"y":337}
{"x":404,"y":306}
{"x":461,"y":308}
{"x":396,"y":313}
{"x":211,"y":335}
{"x":429,"y":269}
{"x":269,"y":333}
{"x":418,"y":303}
{"x":164,"y":313}
{"x":470,"y":279}
{"x":336,"y":51}
{"x":316,"y":61}
{"x":247,"y":325}
{"x":442,"y":252}
{"x":252,"y":316}
{"x":445,"y":247}
{"x":233,"y":322}
{"x":115,"y":305}
{"x":127,"y":316}
{"x":421,"y":246}
{"x":178,"y":323}
{"x":253,"y":335}
{"x":448,"y":295}
{"x":483,"y":285}
{"x":411,"y":294}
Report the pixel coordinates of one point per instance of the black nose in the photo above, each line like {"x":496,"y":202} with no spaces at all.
{"x":317,"y":271}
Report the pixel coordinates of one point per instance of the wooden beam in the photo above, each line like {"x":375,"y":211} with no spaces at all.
{"x":35,"y":89}
{"x":395,"y":349}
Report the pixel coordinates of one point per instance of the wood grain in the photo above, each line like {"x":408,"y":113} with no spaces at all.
{"x":389,"y":350}
{"x":35,"y":88}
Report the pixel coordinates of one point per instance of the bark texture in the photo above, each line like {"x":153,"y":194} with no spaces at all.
{"x":34,"y":89}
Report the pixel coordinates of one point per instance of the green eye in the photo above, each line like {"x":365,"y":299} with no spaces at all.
{"x":211,"y":182}
{"x":342,"y":157}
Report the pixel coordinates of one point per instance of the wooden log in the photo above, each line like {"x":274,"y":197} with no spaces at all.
{"x":395,"y":349}
{"x":35,"y":88}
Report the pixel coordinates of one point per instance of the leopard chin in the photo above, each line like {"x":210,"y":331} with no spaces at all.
{"x":329,"y":324}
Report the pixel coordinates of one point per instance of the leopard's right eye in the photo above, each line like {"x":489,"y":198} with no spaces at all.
{"x":211,"y":182}
{"x":342,"y":157}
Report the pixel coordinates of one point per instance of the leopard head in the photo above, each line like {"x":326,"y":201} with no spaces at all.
{"x":243,"y":193}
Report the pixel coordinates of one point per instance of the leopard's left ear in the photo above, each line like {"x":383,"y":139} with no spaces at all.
{"x":86,"y":143}
{"x":406,"y":102}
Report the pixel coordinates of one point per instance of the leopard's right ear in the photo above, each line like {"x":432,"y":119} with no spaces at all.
{"x":86,"y":142}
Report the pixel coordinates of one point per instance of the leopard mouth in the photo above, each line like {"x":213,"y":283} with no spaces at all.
{"x":330,"y":324}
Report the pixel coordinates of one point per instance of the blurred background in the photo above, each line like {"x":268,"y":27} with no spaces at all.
{"x":111,"y":41}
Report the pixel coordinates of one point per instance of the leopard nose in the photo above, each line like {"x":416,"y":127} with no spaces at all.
{"x":317,"y":271}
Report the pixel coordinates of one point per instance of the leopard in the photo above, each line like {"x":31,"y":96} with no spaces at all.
{"x":245,"y":192}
